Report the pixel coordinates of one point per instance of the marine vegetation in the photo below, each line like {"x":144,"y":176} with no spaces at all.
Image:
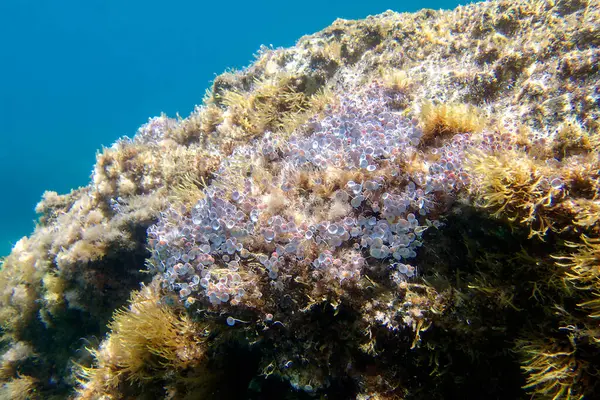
{"x":401,"y":207}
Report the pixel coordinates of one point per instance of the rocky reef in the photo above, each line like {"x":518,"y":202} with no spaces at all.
{"x":401,"y":207}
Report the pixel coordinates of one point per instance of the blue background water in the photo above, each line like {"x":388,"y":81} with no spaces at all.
{"x":76,"y":75}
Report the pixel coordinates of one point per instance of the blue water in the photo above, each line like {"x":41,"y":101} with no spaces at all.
{"x":76,"y":75}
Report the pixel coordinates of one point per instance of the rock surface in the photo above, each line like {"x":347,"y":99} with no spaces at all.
{"x":405,"y":206}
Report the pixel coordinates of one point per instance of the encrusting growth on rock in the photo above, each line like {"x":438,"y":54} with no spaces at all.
{"x":378,"y":212}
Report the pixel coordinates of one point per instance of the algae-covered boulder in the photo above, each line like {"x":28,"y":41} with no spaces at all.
{"x":401,"y":207}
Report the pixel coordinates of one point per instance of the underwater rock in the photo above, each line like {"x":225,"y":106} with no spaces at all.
{"x":405,"y":206}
